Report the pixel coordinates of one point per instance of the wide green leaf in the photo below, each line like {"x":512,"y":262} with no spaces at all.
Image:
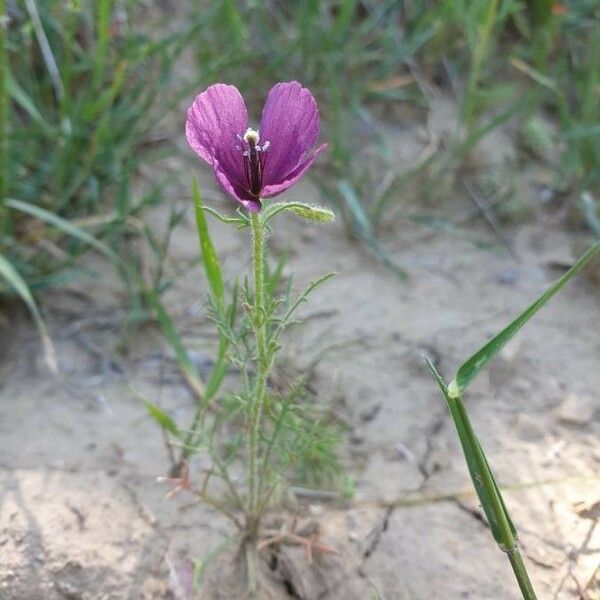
{"x":471,"y":368}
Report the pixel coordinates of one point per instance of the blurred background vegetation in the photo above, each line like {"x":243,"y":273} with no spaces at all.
{"x":85,"y":85}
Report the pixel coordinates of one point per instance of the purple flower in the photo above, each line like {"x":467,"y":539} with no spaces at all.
{"x":248,"y":164}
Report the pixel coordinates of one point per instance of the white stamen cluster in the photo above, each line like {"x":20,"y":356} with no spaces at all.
{"x":253,"y":136}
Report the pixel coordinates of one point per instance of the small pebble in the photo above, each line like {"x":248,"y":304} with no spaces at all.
{"x":528,"y":428}
{"x":507,"y":277}
{"x":68,"y":590}
{"x":370,"y":413}
{"x":357,"y":436}
{"x":576,"y":410}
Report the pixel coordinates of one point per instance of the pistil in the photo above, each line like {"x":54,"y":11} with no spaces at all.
{"x":253,"y":165}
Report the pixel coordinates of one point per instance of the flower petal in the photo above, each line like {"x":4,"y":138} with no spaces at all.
{"x":290,"y":123}
{"x":214,"y":120}
{"x":277,"y":188}
{"x":235,"y":191}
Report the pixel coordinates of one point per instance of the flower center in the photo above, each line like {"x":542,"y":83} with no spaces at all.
{"x":254,"y":159}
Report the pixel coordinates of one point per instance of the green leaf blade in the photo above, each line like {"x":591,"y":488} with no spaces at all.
{"x":485,"y":485}
{"x":212,"y":266}
{"x":170,"y":332}
{"x":18,"y":284}
{"x":363,"y":227}
{"x":309,"y":212}
{"x":162,"y":418}
{"x":471,"y":368}
{"x":62,"y":225}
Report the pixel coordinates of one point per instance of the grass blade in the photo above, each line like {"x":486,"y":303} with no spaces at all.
{"x":45,"y":48}
{"x":17,"y":93}
{"x":471,"y":368}
{"x":168,"y":328}
{"x":62,"y":225}
{"x":483,"y":480}
{"x":487,"y":488}
{"x":129,"y":275}
{"x":590,"y":212}
{"x":104,"y":8}
{"x":362,"y":226}
{"x":17,"y":283}
{"x":4,"y":111}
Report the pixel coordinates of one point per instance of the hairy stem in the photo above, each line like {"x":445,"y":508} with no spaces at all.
{"x":256,"y":406}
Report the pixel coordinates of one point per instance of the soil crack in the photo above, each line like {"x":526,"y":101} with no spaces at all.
{"x":378,"y":533}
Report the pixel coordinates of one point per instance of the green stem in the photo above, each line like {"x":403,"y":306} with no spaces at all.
{"x":516,"y":562}
{"x":251,"y":568}
{"x":256,"y":407}
{"x":480,"y":52}
{"x":104,"y":8}
{"x":3,"y":115}
{"x":589,"y":103}
{"x":203,"y":403}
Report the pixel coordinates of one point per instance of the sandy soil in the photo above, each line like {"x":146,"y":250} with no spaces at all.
{"x":81,"y":513}
{"x":82,"y":516}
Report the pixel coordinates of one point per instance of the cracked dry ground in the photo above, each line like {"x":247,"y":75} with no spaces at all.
{"x":81,"y":513}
